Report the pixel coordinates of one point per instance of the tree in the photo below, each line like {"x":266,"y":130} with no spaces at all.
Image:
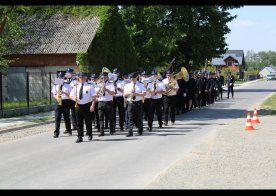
{"x":9,"y":30}
{"x":191,"y":33}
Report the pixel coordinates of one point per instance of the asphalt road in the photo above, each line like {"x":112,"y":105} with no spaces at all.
{"x":118,"y":162}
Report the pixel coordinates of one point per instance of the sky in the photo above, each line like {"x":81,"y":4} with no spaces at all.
{"x":253,"y":29}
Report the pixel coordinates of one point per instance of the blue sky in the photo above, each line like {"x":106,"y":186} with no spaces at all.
{"x":253,"y":29}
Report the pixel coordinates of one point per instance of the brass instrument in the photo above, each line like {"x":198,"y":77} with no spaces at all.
{"x":169,"y":86}
{"x":77,"y":69}
{"x":131,"y":95}
{"x":59,"y":100}
{"x":101,"y":86}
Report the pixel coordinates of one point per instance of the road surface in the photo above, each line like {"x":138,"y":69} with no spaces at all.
{"x":118,"y":162}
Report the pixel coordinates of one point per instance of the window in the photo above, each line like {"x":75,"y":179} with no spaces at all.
{"x":229,"y":63}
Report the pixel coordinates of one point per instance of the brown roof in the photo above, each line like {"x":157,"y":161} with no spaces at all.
{"x":58,"y":34}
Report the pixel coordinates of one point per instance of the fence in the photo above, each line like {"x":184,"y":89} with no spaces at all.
{"x":25,"y":93}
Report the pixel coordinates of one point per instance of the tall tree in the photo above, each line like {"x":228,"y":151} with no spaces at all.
{"x":9,"y":30}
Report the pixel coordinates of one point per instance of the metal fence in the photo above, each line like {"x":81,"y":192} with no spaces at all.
{"x":25,"y":92}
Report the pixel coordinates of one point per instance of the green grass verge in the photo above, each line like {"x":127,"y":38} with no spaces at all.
{"x":270,"y":104}
{"x":21,"y":104}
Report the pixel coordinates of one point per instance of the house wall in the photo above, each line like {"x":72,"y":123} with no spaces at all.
{"x":39,"y":68}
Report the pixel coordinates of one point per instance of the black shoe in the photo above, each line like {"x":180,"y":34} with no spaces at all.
{"x":165,"y":123}
{"x":122,"y":128}
{"x":66,"y":131}
{"x":172,"y":123}
{"x":129,"y":135}
{"x":139,"y":134}
{"x":149,"y":128}
{"x":74,"y":128}
{"x":101,"y":134}
{"x":79,"y":140}
{"x":70,"y":133}
{"x":55,"y":135}
{"x":90,"y":137}
{"x":160,"y":126}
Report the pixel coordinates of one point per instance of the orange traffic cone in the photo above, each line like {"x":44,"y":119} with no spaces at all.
{"x":255,"y":117}
{"x":249,"y":125}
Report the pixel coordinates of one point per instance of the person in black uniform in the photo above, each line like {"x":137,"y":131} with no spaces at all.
{"x":72,"y":81}
{"x":157,"y":97}
{"x":230,"y":84}
{"x":191,"y":90}
{"x":95,"y":114}
{"x":118,"y":99}
{"x":84,"y":94}
{"x":172,"y":87}
{"x":221,"y":83}
{"x":105,"y":94}
{"x":133,"y":92}
{"x":61,"y":94}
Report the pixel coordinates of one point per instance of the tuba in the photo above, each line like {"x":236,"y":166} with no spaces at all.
{"x":183,"y":74}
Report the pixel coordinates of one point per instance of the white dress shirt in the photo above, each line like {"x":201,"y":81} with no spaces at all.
{"x":106,"y":96}
{"x":88,"y":92}
{"x":160,"y":87}
{"x":138,"y":88}
{"x":166,"y":81}
{"x":65,"y":88}
{"x":119,"y":84}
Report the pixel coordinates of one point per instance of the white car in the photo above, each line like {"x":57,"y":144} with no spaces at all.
{"x":270,"y":77}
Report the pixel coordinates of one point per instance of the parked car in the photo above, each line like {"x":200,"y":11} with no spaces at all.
{"x":270,"y":77}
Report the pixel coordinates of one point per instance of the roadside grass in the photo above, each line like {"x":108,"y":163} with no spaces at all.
{"x":269,"y":105}
{"x":21,"y":104}
{"x":43,"y":119}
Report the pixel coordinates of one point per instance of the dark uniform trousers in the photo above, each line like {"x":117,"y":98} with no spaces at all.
{"x":119,"y":102}
{"x":73,"y":114}
{"x":157,"y":107}
{"x":135,"y":115}
{"x":230,"y":89}
{"x":84,"y":114}
{"x":95,"y":116}
{"x":105,"y":111}
{"x":147,"y":108}
{"x":65,"y":110}
{"x":169,"y":103}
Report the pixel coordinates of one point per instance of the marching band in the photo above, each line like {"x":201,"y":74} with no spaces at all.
{"x":96,"y":100}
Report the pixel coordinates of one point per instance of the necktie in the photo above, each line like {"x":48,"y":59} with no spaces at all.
{"x":80,"y":93}
{"x":104,"y":87}
{"x":115,"y":85}
{"x":133,"y":91}
{"x":154,"y":87}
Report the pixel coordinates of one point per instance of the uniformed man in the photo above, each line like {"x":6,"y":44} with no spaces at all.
{"x":126,"y":119}
{"x":61,"y":94}
{"x":134,"y":92}
{"x":230,"y":84}
{"x":147,"y":102}
{"x":72,"y":81}
{"x":105,"y":93}
{"x":157,"y":94}
{"x":221,"y":83}
{"x":118,"y":99}
{"x":95,"y":114}
{"x":83,"y":93}
{"x":170,"y":97}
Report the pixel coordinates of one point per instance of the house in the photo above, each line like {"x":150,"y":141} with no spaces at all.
{"x":233,"y":59}
{"x":53,"y":43}
{"x":267,"y":71}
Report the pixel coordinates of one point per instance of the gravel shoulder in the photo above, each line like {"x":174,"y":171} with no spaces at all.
{"x":229,"y":158}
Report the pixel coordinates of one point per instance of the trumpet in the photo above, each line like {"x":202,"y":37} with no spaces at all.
{"x":101,"y":86}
